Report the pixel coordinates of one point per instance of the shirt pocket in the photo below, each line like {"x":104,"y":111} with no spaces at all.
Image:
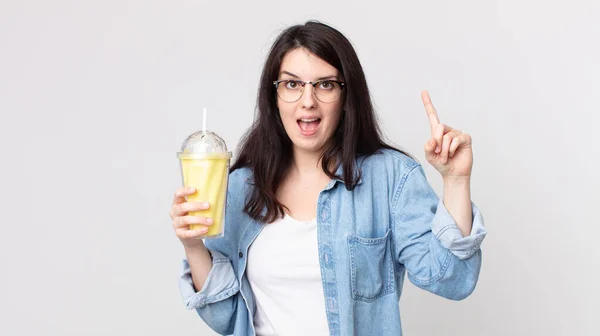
{"x":371,"y":265}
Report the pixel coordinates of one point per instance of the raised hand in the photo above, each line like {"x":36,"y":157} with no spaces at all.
{"x":448,"y":150}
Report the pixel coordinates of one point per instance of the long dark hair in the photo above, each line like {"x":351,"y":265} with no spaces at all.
{"x":266,"y":148}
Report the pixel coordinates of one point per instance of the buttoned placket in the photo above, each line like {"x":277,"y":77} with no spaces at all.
{"x":327,"y":259}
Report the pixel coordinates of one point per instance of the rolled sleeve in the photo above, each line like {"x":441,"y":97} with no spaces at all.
{"x":220,"y":284}
{"x":446,"y":230}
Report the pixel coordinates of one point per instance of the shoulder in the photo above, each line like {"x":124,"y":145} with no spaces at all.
{"x":391,"y":172}
{"x":240,"y":175}
{"x":387,"y":161}
{"x":238,"y":183}
{"x":385,"y":171}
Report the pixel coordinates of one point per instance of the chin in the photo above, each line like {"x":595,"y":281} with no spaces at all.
{"x":306,"y":146}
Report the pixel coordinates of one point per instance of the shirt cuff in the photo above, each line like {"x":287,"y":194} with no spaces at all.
{"x":220,"y":284}
{"x":447,"y":232}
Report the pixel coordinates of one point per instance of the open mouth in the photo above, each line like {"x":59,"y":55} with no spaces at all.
{"x":308,"y":126}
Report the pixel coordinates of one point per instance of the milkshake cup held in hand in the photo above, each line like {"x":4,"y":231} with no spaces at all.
{"x":204,"y":161}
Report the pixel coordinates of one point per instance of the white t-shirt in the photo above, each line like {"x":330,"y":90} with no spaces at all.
{"x":285,"y":276}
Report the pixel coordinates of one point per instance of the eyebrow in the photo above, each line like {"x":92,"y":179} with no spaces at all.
{"x":318,"y":79}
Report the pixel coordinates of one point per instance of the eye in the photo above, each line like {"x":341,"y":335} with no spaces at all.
{"x":327,"y":85}
{"x":290,"y":84}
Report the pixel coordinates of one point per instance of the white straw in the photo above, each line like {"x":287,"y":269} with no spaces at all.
{"x":204,"y":120}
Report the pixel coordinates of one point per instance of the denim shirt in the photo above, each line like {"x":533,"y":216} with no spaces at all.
{"x":392,"y":223}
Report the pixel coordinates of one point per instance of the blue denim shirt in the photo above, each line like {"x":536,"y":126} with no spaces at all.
{"x":392,"y":223}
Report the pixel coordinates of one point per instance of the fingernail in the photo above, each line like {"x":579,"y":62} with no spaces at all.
{"x":209,"y":220}
{"x":192,"y":189}
{"x":205,"y":204}
{"x":437,"y":149}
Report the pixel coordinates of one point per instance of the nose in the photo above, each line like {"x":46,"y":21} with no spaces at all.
{"x":308,"y":100}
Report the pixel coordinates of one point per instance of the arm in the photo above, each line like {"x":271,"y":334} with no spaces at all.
{"x":457,"y":199}
{"x":428,"y":241}
{"x":200,"y":263}
{"x":216,"y":300}
{"x":208,"y":282}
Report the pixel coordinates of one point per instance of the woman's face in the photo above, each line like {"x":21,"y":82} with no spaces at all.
{"x":308,"y":122}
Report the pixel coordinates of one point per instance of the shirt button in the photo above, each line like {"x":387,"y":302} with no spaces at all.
{"x":241,"y":255}
{"x":324,"y":215}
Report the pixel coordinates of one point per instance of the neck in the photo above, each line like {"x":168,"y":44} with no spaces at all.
{"x":306,"y":163}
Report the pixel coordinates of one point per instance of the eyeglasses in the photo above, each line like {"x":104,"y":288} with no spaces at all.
{"x":326,"y":91}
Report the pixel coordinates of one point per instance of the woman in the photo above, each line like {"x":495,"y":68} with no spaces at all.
{"x":323,"y":217}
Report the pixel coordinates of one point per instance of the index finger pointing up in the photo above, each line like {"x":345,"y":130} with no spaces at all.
{"x":431,"y":112}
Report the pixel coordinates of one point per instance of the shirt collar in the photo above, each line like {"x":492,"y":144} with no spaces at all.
{"x":340,"y":174}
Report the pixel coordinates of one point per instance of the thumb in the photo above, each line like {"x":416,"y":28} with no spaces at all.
{"x":430,"y":148}
{"x":430,"y":145}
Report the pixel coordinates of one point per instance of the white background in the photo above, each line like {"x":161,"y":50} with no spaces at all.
{"x":97,"y":96}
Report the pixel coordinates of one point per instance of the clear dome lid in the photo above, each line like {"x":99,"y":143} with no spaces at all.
{"x":203,"y":144}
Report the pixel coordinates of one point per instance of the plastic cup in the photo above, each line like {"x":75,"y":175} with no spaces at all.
{"x":204,"y":162}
